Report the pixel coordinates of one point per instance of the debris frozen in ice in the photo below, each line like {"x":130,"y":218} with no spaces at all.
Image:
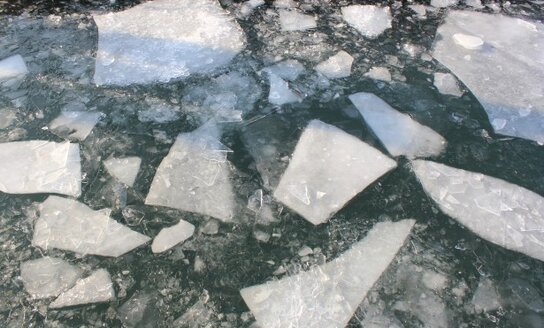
{"x":67,"y":224}
{"x":171,"y":236}
{"x":328,"y":295}
{"x":124,"y":169}
{"x":289,"y":69}
{"x":75,"y":125}
{"x":292,"y":20}
{"x":96,"y":288}
{"x":195,"y":177}
{"x":327,"y":169}
{"x":369,"y":20}
{"x":505,"y":72}
{"x":443,"y":3}
{"x":498,"y":211}
{"x":379,"y":73}
{"x":159,"y":111}
{"x":12,"y":67}
{"x":337,"y":66}
{"x":486,"y":297}
{"x":280,"y":94}
{"x":447,"y":84}
{"x":398,"y":132}
{"x":39,"y":166}
{"x":165,"y":39}
{"x":48,"y":276}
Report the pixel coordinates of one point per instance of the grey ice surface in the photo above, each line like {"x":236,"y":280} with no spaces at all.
{"x":369,"y":20}
{"x":124,"y":169}
{"x":12,"y":67}
{"x":337,"y":66}
{"x":96,"y":288}
{"x":171,"y":236}
{"x":48,"y":276}
{"x":75,"y":125}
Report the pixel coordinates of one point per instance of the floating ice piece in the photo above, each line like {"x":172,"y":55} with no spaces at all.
{"x":498,"y":211}
{"x":165,"y":39}
{"x":280,"y":94}
{"x":420,"y":10}
{"x":48,"y":276}
{"x":195,"y":177}
{"x":96,"y":288}
{"x":12,"y":67}
{"x":379,"y":73}
{"x":327,"y":169}
{"x":369,"y":20}
{"x":67,"y":224}
{"x":486,"y":297}
{"x":75,"y":125}
{"x":337,"y":66}
{"x":291,"y":20}
{"x":447,"y":84}
{"x":328,"y":295}
{"x":443,"y":3}
{"x":505,"y":72}
{"x":124,"y":169}
{"x":39,"y":166}
{"x":171,"y":236}
{"x":398,"y":132}
{"x":289,"y":69}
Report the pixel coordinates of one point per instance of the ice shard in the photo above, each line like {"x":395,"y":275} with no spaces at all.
{"x":12,"y":67}
{"x":328,"y":295}
{"x":124,"y":169}
{"x":280,"y":94}
{"x":171,"y":236}
{"x":75,"y":125}
{"x":69,"y":225}
{"x":328,"y":168}
{"x":369,"y":20}
{"x":96,"y":288}
{"x":48,"y":276}
{"x":498,"y":211}
{"x":337,"y":66}
{"x":398,"y":132}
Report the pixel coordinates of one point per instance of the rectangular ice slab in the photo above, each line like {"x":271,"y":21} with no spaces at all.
{"x":501,"y":60}
{"x":124,"y":169}
{"x":96,"y":288}
{"x":326,"y":296}
{"x":75,"y":125}
{"x":12,"y":67}
{"x":369,"y":20}
{"x":498,"y":211}
{"x":67,"y":224}
{"x":164,"y":39}
{"x":398,"y":132}
{"x":38,"y":166}
{"x":327,"y":169}
{"x":48,"y":276}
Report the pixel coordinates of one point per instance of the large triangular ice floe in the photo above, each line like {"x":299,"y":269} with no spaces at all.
{"x":96,"y":288}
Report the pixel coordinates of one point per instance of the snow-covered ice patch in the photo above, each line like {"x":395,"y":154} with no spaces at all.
{"x":337,"y":66}
{"x":96,"y":288}
{"x":75,"y":125}
{"x":48,"y":276}
{"x":369,"y":20}
{"x":124,"y":169}
{"x":12,"y":67}
{"x":292,"y":20}
{"x":171,"y":236}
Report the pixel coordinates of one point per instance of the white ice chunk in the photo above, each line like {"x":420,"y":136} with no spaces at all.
{"x":447,"y":84}
{"x":443,"y":3}
{"x":75,"y":125}
{"x":195,"y":177}
{"x":39,"y":166}
{"x":171,"y":236}
{"x":164,"y":39}
{"x":498,"y":211}
{"x":70,"y":225}
{"x":124,"y":169}
{"x":328,"y":168}
{"x":369,"y":20}
{"x":337,"y":66}
{"x":289,"y":69}
{"x":503,"y":66}
{"x":48,"y":276}
{"x":398,"y":132}
{"x":379,"y":73}
{"x":328,"y":295}
{"x":486,"y":297}
{"x":12,"y":67}
{"x":96,"y":288}
{"x":280,"y":94}
{"x":420,"y":10}
{"x":292,"y":20}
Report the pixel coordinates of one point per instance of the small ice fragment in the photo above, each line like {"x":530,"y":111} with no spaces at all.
{"x":434,"y":280}
{"x":446,"y":84}
{"x":75,"y":125}
{"x":379,"y":73}
{"x":211,"y":227}
{"x":337,"y":66}
{"x":249,"y":6}
{"x":369,"y":20}
{"x":139,"y":311}
{"x":305,"y":251}
{"x":468,"y":41}
{"x":289,"y":69}
{"x":171,"y":236}
{"x":12,"y":67}
{"x":486,"y":297}
{"x":96,"y":288}
{"x":420,"y":10}
{"x":292,"y":20}
{"x":284,"y":4}
{"x":474,"y":4}
{"x":280,"y":94}
{"x":7,"y":116}
{"x":443,"y":3}
{"x":198,"y":315}
{"x":124,"y":169}
{"x":255,"y":201}
{"x":48,"y":276}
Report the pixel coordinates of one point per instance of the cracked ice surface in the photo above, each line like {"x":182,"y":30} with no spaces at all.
{"x":69,"y":225}
{"x":398,"y":132}
{"x":96,"y":288}
{"x":328,"y":295}
{"x":48,"y":276}
{"x":171,"y":236}
{"x":165,"y":39}
{"x":12,"y":67}
{"x":337,"y":66}
{"x":369,"y":20}
{"x":501,"y":60}
{"x":327,"y":169}
{"x":124,"y":169}
{"x":39,"y":166}
{"x":498,"y":211}
{"x":75,"y":125}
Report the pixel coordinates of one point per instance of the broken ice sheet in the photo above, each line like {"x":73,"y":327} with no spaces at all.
{"x":337,"y":66}
{"x":39,"y":166}
{"x":171,"y":236}
{"x":124,"y":169}
{"x":292,"y":20}
{"x":75,"y":125}
{"x":69,"y":225}
{"x":369,"y":20}
{"x":327,"y":169}
{"x":498,"y":211}
{"x":48,"y":276}
{"x":398,"y":132}
{"x":12,"y":67}
{"x":500,"y":59}
{"x":165,"y":39}
{"x":328,"y":295}
{"x":96,"y":288}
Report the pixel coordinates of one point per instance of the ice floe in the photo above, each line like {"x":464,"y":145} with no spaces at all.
{"x":337,"y":66}
{"x":379,"y":73}
{"x":124,"y":169}
{"x":69,"y":225}
{"x":171,"y":236}
{"x":328,"y":295}
{"x":398,"y":132}
{"x":75,"y":125}
{"x":48,"y":276}
{"x":292,"y":20}
{"x":498,"y":211}
{"x":447,"y":84}
{"x":165,"y":39}
{"x":96,"y":288}
{"x":12,"y":67}
{"x":280,"y":94}
{"x":40,"y":166}
{"x":369,"y":20}
{"x":289,"y":69}
{"x":328,"y":168}
{"x":500,"y":59}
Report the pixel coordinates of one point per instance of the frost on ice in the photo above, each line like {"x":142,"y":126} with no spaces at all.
{"x":48,"y":276}
{"x":96,"y":288}
{"x":398,"y":132}
{"x":12,"y":67}
{"x":369,"y":20}
{"x":39,"y":166}
{"x":328,"y":168}
{"x":280,"y":94}
{"x":75,"y":125}
{"x":124,"y":169}
{"x":447,"y":84}
{"x":195,"y":177}
{"x":328,"y":295}
{"x":501,"y":60}
{"x":69,"y":225}
{"x":498,"y":211}
{"x":165,"y":39}
{"x":291,"y":20}
{"x":171,"y":236}
{"x":337,"y":66}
